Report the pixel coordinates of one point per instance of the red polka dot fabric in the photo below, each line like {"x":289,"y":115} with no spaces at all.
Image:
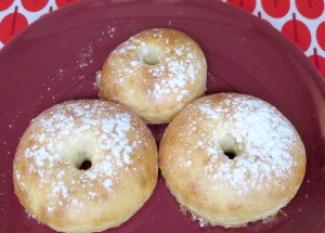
{"x":302,"y":21}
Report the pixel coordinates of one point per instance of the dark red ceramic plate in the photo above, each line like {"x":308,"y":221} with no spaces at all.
{"x":56,"y":59}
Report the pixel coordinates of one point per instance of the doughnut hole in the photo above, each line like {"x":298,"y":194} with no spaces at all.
{"x":229,"y":147}
{"x":80,"y":153}
{"x":83,"y":160}
{"x":230,"y":154}
{"x":151,"y":56}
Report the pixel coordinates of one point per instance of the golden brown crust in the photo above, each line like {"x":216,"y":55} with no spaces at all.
{"x":122,"y":176}
{"x":263,"y":177}
{"x":155,"y":92}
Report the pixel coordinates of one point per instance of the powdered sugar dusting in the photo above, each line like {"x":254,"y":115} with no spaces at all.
{"x":259,"y":134}
{"x":107,"y":184}
{"x":178,"y":68}
{"x":84,"y":57}
{"x":203,"y":223}
{"x":70,"y":131}
{"x":179,"y":73}
{"x":98,"y":78}
{"x":111,"y":31}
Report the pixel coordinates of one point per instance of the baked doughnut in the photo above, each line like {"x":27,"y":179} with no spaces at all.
{"x":85,"y":166}
{"x":231,"y":159}
{"x":156,"y":73}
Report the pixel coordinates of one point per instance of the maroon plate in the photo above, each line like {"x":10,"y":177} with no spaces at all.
{"x":56,"y":58}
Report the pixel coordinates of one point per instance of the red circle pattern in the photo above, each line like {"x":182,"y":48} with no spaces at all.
{"x":13,"y":21}
{"x":320,"y":33}
{"x":276,"y":8}
{"x":298,"y":32}
{"x":34,"y":5}
{"x":310,"y":8}
{"x":4,"y":4}
{"x":12,"y":24}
